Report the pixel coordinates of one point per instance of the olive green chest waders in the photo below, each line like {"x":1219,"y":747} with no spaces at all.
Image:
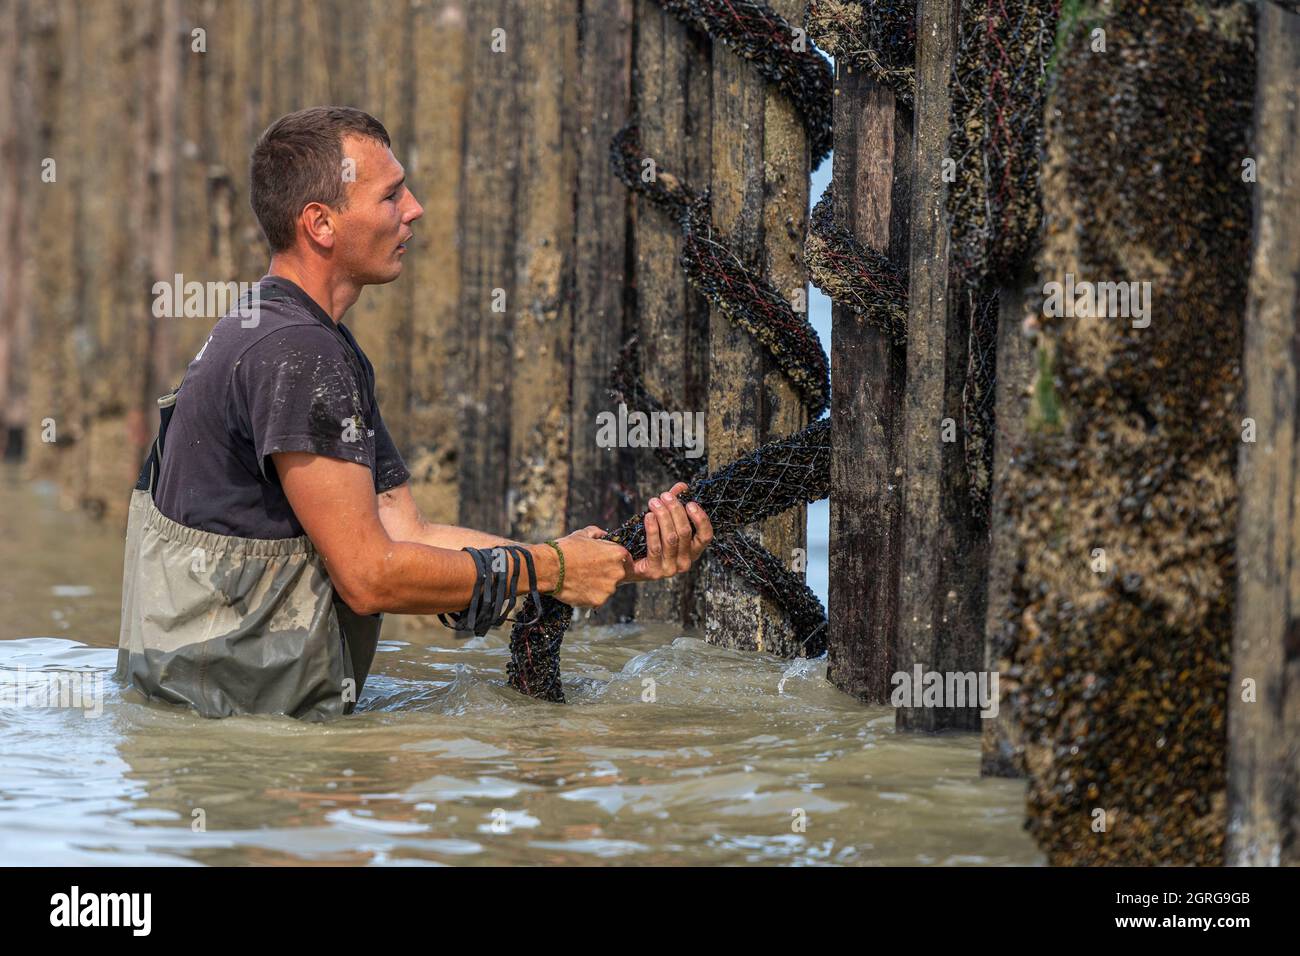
{"x":234,"y":625}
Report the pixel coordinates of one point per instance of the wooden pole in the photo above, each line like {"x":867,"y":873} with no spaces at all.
{"x":941,"y":587}
{"x":54,"y":383}
{"x":1000,"y":745}
{"x":433,"y":162}
{"x":117,"y":295}
{"x":163,"y":148}
{"x":601,"y":270}
{"x":16,"y":154}
{"x":541,"y":420}
{"x":759,"y":184}
{"x":674,"y":94}
{"x":1264,"y":696}
{"x":489,"y":297}
{"x":872,"y":189}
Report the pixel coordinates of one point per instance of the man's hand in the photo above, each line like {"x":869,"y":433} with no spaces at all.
{"x":672,"y":545}
{"x":592,"y":568}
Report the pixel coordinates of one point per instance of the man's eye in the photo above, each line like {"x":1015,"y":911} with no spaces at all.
{"x":392,"y":195}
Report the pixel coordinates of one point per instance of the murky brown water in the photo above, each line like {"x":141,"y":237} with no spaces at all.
{"x":448,"y":765}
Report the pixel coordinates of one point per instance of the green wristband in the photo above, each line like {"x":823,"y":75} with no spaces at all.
{"x":559,"y":581}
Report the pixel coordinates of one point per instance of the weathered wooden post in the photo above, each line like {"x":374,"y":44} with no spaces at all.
{"x":488,"y":294}
{"x":518,"y":260}
{"x":944,"y":558}
{"x":1263,"y":699}
{"x":19,"y":153}
{"x":542,"y":429}
{"x":602,"y":308}
{"x":673,"y":104}
{"x":439,"y":91}
{"x":162,"y":376}
{"x":995,"y":141}
{"x":54,"y":373}
{"x":999,"y":745}
{"x":759,"y":188}
{"x":871,"y":184}
{"x":1123,"y":602}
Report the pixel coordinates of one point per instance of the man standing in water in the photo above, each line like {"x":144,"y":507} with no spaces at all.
{"x":273,"y":523}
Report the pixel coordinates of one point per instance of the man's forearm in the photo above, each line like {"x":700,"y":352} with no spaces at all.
{"x":454,"y":537}
{"x":413,"y":578}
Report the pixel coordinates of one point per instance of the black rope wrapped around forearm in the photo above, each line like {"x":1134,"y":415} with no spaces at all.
{"x":493,"y":597}
{"x":777,"y":476}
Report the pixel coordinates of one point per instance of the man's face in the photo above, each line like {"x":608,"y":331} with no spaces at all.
{"x":371,"y":230}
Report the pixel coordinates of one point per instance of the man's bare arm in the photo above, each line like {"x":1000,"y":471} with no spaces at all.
{"x":334,"y":500}
{"x":402,"y":520}
{"x":675,"y":536}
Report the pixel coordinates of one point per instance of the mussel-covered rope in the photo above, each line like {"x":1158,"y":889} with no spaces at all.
{"x":995,"y":138}
{"x":878,"y":38}
{"x":773,"y":478}
{"x":746,"y":297}
{"x":748,"y":559}
{"x":758,"y":33}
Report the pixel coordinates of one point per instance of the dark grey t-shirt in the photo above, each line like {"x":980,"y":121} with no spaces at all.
{"x":294,"y":381}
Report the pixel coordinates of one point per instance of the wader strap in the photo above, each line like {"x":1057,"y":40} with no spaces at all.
{"x":148,"y":479}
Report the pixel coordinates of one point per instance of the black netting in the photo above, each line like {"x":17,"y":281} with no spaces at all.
{"x":753,"y":563}
{"x":626,"y":387}
{"x":761,"y":35}
{"x":734,"y":287}
{"x":774,"y":478}
{"x":768,"y":575}
{"x":854,"y":275}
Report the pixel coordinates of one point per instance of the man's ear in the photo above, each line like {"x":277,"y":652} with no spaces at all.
{"x":318,"y":221}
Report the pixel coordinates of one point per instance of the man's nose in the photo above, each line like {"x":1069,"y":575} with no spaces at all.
{"x":416,"y":212}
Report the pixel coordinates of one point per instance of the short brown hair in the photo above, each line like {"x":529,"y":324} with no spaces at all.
{"x":299,"y":159}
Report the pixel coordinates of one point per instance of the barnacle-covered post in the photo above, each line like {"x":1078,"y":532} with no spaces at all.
{"x":1123,"y":604}
{"x":759,"y":189}
{"x":995,"y":210}
{"x":944,"y":553}
{"x":1000,"y":748}
{"x":1263,"y":696}
{"x":857,"y":252}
